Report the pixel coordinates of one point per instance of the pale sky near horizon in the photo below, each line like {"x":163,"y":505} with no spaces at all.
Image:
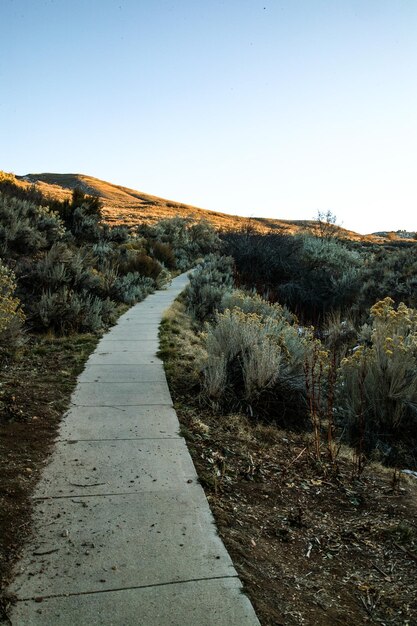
{"x":274,"y":108}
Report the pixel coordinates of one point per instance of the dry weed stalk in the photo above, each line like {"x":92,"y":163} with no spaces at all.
{"x":320,"y":391}
{"x":332,"y":446}
{"x":359,"y":457}
{"x":313,"y":372}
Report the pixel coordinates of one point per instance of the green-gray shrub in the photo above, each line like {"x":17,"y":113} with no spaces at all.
{"x":26,"y":227}
{"x":377,"y":383}
{"x":11,"y":315}
{"x":66,"y":311}
{"x":117,"y":234}
{"x":62,"y":265}
{"x":250,"y":302}
{"x":208,"y":284}
{"x":85,"y":226}
{"x":327,"y":278}
{"x":103,"y":251}
{"x":190,"y":240}
{"x":257,"y":363}
{"x":132,"y":288}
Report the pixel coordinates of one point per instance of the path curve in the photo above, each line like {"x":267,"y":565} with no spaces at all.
{"x":123,"y":534}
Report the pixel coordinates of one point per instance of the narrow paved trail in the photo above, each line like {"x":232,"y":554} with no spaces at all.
{"x":123,"y":534}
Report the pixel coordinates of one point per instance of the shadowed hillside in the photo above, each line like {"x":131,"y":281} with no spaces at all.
{"x":130,"y":207}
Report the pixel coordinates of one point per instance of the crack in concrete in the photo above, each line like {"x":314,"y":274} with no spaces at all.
{"x":150,"y":586}
{"x":112,"y":406}
{"x":93,"y":495}
{"x":70,"y":441}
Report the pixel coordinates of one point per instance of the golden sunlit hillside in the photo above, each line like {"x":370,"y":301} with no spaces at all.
{"x":122,"y":205}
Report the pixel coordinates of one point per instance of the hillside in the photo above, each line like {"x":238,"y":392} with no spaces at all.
{"x":128,"y":206}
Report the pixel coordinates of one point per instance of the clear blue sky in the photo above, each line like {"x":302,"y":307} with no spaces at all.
{"x":276,"y":108}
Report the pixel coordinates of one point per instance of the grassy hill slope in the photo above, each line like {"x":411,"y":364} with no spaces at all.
{"x":128,"y":206}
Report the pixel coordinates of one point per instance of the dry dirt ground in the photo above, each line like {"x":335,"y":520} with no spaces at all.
{"x":34,"y":393}
{"x":314,"y":545}
{"x":311,"y":547}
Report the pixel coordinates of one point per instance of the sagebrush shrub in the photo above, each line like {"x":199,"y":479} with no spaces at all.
{"x":104,"y":253}
{"x":326,"y":278}
{"x":11,"y":314}
{"x":253,"y":303}
{"x":208,"y":284}
{"x":62,"y":265}
{"x":257,"y":364}
{"x":188,"y":239}
{"x":71,"y":268}
{"x":107,"y":276}
{"x":131,"y":261}
{"x":117,"y":234}
{"x":389,"y":272}
{"x":242,"y":340}
{"x":164,"y":253}
{"x":164,"y":279}
{"x":85,"y":225}
{"x":204,"y":239}
{"x":279,"y":321}
{"x":311,"y":276}
{"x":377,"y":385}
{"x":66,"y":311}
{"x":26,"y":227}
{"x":132,"y":288}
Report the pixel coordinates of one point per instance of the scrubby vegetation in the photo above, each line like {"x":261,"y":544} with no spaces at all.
{"x":311,"y":352}
{"x":11,"y":315}
{"x":289,"y":404}
{"x":319,"y":276}
{"x":257,"y":365}
{"x":60,"y":283}
{"x":377,"y":384}
{"x":180,"y":241}
{"x":72,"y":271}
{"x":254,"y":350}
{"x":209,"y":282}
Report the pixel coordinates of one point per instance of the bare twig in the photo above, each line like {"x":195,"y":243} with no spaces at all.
{"x":410,"y":554}
{"x":381,"y":571}
{"x":90,"y":485}
{"x":294,"y":460}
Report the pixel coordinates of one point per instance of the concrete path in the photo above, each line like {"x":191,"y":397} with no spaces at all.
{"x":123,"y":534}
